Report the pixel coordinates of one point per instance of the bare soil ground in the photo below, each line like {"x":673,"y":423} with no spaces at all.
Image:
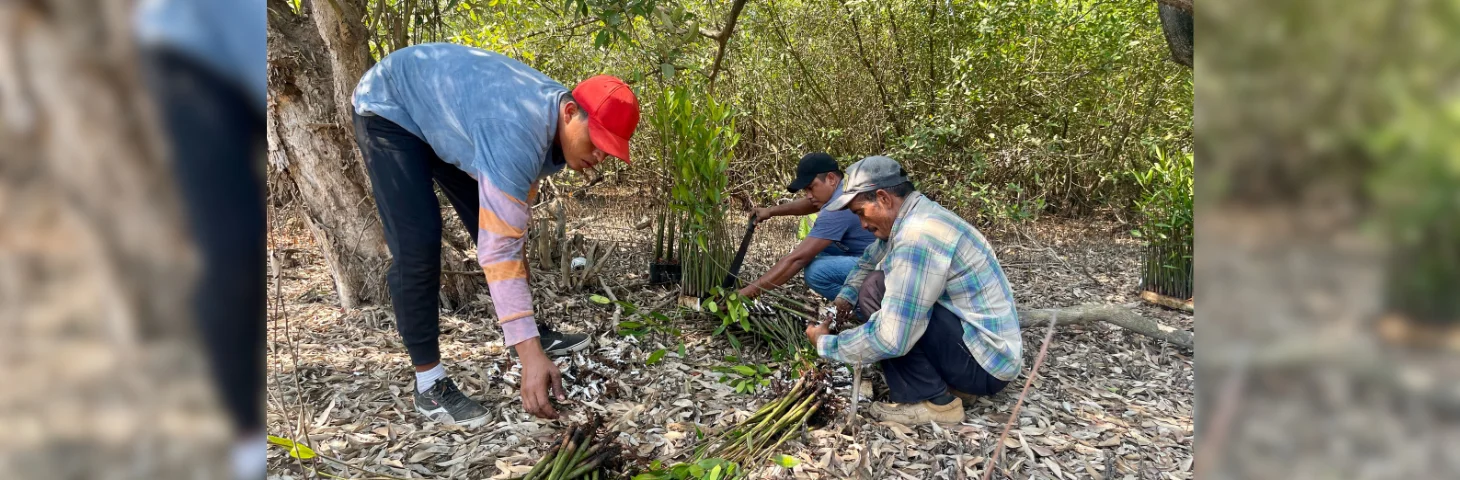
{"x":1106,"y":404}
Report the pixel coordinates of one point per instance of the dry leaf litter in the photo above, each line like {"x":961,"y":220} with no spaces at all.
{"x":1107,"y":403}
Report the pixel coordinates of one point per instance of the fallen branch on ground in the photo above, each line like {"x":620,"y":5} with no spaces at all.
{"x":1168,"y":302}
{"x":1114,"y":315}
{"x":1354,"y":357}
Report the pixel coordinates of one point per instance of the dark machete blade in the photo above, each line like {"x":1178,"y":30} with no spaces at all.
{"x":734,"y":272}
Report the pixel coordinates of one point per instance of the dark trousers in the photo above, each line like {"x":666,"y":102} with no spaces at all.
{"x":216,"y":135}
{"x":938,"y":360}
{"x":402,"y":170}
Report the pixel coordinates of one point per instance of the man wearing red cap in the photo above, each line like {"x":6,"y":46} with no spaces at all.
{"x":484,"y":128}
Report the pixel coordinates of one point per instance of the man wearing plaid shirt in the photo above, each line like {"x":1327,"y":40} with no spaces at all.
{"x":940,"y":315}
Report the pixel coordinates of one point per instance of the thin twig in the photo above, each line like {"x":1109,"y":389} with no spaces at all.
{"x":617,"y":309}
{"x":1215,"y":439}
{"x":852,"y":422}
{"x":988,"y":470}
{"x":347,"y":465}
{"x":1066,"y":264}
{"x":281,"y":312}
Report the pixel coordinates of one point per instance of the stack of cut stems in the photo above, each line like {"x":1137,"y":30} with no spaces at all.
{"x":782,"y":325}
{"x":754,"y":440}
{"x":581,"y":453}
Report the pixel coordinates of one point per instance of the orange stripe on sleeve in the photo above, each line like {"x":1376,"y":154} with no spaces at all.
{"x":507,"y":270}
{"x":515,"y":316}
{"x":489,"y":221}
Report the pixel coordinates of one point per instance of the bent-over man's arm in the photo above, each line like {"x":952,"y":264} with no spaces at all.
{"x":799,"y":207}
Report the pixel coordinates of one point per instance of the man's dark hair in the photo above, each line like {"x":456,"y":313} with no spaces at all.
{"x":822,"y":176}
{"x":900,"y":190}
{"x":582,"y":114}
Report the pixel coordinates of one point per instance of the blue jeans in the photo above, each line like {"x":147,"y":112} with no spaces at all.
{"x":826,"y":273}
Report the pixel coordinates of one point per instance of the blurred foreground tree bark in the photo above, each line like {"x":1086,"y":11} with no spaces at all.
{"x":95,"y":262}
{"x":85,"y":192}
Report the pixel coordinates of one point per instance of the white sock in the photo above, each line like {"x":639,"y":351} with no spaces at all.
{"x":249,"y":456}
{"x":428,"y":378}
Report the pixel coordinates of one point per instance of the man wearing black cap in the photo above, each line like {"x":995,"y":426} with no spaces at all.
{"x":836,"y":240}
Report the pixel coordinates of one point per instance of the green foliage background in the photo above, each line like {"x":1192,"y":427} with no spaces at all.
{"x":1001,"y":110}
{"x":1347,"y":111}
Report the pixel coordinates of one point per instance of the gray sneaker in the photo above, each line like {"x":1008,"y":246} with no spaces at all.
{"x":446,"y":404}
{"x":558,"y":344}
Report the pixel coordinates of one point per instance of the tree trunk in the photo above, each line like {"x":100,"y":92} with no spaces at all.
{"x":95,"y":260}
{"x":315,"y":58}
{"x":876,"y":79}
{"x":1177,"y":25}
{"x":906,"y":83}
{"x":723,"y":38}
{"x":86,"y":196}
{"x":932,"y":59}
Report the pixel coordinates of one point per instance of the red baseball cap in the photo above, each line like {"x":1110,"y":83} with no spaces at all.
{"x":613,"y":113}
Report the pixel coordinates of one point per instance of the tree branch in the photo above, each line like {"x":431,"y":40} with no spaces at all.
{"x":570,"y":26}
{"x":796,"y":56}
{"x":988,"y":470}
{"x":877,"y":79}
{"x":1114,"y":315}
{"x":723,"y":38}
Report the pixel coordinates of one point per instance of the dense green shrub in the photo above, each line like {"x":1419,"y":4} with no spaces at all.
{"x":1417,"y":192}
{"x":1001,"y":110}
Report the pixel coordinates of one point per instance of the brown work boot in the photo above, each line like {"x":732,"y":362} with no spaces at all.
{"x":967,"y":398}
{"x":919,"y":413}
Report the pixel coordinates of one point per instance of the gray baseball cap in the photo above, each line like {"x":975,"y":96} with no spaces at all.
{"x":866,"y":175}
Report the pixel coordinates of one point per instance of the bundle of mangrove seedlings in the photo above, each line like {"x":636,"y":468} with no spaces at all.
{"x":582,"y":452}
{"x":753,"y":442}
{"x":697,"y":138}
{"x":780,"y":322}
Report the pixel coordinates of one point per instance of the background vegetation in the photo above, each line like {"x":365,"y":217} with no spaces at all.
{"x":1003,"y":110}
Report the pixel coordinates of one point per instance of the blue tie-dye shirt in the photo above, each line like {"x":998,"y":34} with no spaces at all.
{"x":482,"y":111}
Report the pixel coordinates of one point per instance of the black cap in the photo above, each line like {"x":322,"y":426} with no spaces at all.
{"x":811,"y":165}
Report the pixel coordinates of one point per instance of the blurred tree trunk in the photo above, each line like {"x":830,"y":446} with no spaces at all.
{"x":87,"y":199}
{"x":316,"y":56}
{"x":1177,"y":26}
{"x":95,"y":270}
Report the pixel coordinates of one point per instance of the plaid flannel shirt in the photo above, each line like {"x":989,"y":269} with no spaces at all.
{"x":932,"y":257}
